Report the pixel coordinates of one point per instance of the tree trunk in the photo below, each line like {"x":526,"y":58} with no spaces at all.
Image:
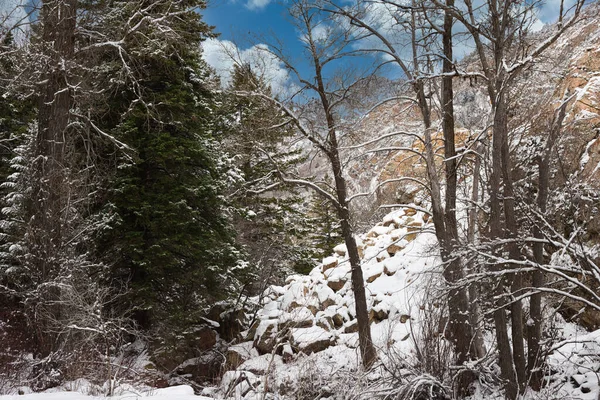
{"x":534,"y":337}
{"x":507,"y":370}
{"x":458,"y":299}
{"x":46,"y":212}
{"x":474,"y":310}
{"x":511,"y":233}
{"x":367,"y":350}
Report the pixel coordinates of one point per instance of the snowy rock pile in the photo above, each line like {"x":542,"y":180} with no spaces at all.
{"x":313,"y":317}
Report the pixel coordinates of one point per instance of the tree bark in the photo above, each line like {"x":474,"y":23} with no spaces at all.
{"x":458,"y":299}
{"x":47,"y":204}
{"x":46,"y":208}
{"x":474,"y":308}
{"x":507,"y":370}
{"x":534,"y":337}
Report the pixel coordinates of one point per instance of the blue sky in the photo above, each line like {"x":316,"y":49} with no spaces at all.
{"x":242,"y":24}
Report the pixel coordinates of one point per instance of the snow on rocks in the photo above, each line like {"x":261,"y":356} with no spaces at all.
{"x":313,"y":316}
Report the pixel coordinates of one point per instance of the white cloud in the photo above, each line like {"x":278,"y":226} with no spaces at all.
{"x":548,"y":11}
{"x":257,"y":4}
{"x":320,"y":33}
{"x":222,"y":55}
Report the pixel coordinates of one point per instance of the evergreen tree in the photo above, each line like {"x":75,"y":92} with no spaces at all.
{"x":168,"y":236}
{"x":271,"y":223}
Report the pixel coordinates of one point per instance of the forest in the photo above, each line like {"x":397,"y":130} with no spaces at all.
{"x":413,"y":214}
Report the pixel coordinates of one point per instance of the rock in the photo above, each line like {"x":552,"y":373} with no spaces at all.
{"x":373,"y":277}
{"x":216,"y":310}
{"x":414,"y":227}
{"x":377,"y":315}
{"x":338,"y":320}
{"x":388,"y":220}
{"x":340,"y":250}
{"x":351,"y":327}
{"x":316,"y":346}
{"x":205,"y":338}
{"x":301,"y":317}
{"x":329,"y":262}
{"x":404,"y":318}
{"x":396,"y":234}
{"x":237,"y":354}
{"x":410,"y":237}
{"x":311,"y":340}
{"x":361,"y":250}
{"x":410,"y":212}
{"x":205,"y":368}
{"x":328,"y":302}
{"x":313,"y":309}
{"x":287,"y":354}
{"x":379,"y":230}
{"x":252,"y":331}
{"x":266,"y":335}
{"x":325,"y":323}
{"x":238,"y":383}
{"x":393,"y":249}
{"x":336,"y":285}
{"x":382,"y":256}
{"x":232,"y":324}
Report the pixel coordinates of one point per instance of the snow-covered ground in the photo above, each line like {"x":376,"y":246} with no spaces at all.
{"x":171,"y":393}
{"x":304,"y":342}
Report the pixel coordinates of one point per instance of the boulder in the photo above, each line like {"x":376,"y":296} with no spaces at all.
{"x":414,"y":227}
{"x":237,"y":354}
{"x":311,"y":340}
{"x":204,"y":337}
{"x":252,"y":331}
{"x":351,"y":327}
{"x":266,"y":335}
{"x":394,"y":248}
{"x":329,"y":262}
{"x":336,"y":285}
{"x":410,"y":237}
{"x":340,"y":250}
{"x":372,"y":278}
{"x":410,"y":212}
{"x":338,"y":320}
{"x":377,"y":315}
{"x":238,"y":383}
{"x":382,"y":256}
{"x":325,"y":323}
{"x":205,"y":368}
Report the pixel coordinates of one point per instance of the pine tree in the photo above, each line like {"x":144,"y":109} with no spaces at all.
{"x":168,"y":236}
{"x":271,"y":224}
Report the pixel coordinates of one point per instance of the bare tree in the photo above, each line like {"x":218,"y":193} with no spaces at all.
{"x":326,"y":45}
{"x":418,"y":62}
{"x":496,"y":28}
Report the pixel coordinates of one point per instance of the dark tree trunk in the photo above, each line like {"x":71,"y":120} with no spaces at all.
{"x":516,"y":306}
{"x":474,"y":294}
{"x":458,"y":300}
{"x":507,"y":370}
{"x":534,"y":337}
{"x":47,"y":206}
{"x":367,"y":349}
{"x":47,"y":210}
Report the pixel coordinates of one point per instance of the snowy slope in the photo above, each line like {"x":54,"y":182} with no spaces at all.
{"x":307,"y":328}
{"x":171,"y":393}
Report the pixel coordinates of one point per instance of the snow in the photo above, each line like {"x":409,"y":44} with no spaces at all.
{"x":326,"y":330}
{"x":183,"y":392}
